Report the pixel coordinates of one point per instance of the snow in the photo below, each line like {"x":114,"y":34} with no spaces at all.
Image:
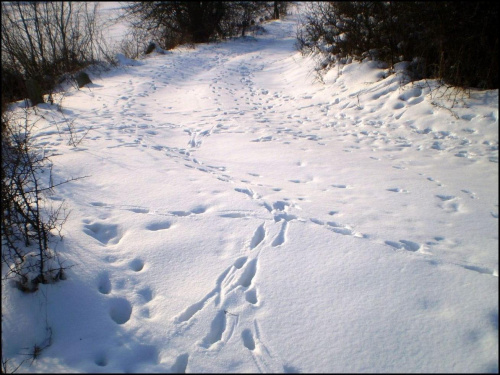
{"x":239,"y":215}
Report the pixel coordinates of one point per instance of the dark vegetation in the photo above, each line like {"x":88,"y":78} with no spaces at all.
{"x":172,"y":23}
{"x":456,"y":42}
{"x":28,"y":220}
{"x":45,"y":41}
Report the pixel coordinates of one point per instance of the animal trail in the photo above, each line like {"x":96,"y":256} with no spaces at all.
{"x":248,"y":273}
{"x":248,"y":192}
{"x":449,"y":203}
{"x":146,"y":294}
{"x":281,"y":237}
{"x":264,"y":360}
{"x":238,"y":263}
{"x":120,"y":310}
{"x":339,"y":228}
{"x":258,"y":237}
{"x":104,"y":233}
{"x":136,"y":265}
{"x":483,"y":270}
{"x":196,"y":211}
{"x":217,"y":328}
{"x":247,"y":337}
{"x":251,"y":296}
{"x":104,"y":284}
{"x":189,"y":312}
{"x":180,"y":365}
{"x":405,"y":245}
{"x":158,"y":226}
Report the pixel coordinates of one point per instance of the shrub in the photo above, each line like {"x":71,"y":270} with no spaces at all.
{"x":43,"y":40}
{"x":453,"y":41}
{"x":27,"y":220}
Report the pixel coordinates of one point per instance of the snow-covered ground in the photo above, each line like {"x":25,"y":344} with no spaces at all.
{"x":242,"y":216}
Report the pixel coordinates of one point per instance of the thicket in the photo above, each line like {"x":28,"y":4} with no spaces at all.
{"x":456,"y":42}
{"x":173,"y":23}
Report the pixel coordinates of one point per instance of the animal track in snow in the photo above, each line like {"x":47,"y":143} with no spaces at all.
{"x":236,"y":215}
{"x":98,"y":204}
{"x":280,"y":205}
{"x":136,"y":265}
{"x":248,"y":192}
{"x":158,"y":226}
{"x":404,"y":244}
{"x":197,"y":210}
{"x":339,"y":228}
{"x":248,"y":274}
{"x":258,"y":237}
{"x":251,"y":296}
{"x":120,"y":310}
{"x":101,"y":360}
{"x":449,"y":203}
{"x":281,"y":237}
{"x":238,"y":263}
{"x":471,"y":194}
{"x":138,"y":210}
{"x":398,"y":190}
{"x":104,"y":233}
{"x":180,"y":365}
{"x":317,"y":221}
{"x":248,"y":340}
{"x":189,"y":312}
{"x":483,"y":270}
{"x":146,"y":294}
{"x":217,"y":328}
{"x":445,"y":197}
{"x":103,"y":283}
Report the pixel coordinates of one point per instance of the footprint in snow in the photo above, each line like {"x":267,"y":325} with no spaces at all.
{"x":136,"y":265}
{"x":101,"y":360}
{"x":103,"y":232}
{"x":103,"y":283}
{"x":449,"y":203}
{"x":120,"y":310}
{"x":146,"y":294}
{"x":217,"y":329}
{"x":405,"y":245}
{"x":258,"y":237}
{"x":248,"y":340}
{"x":158,"y":226}
{"x":180,"y":365}
{"x":251,"y":296}
{"x":398,"y":190}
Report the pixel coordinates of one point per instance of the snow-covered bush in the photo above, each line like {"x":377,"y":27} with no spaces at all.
{"x":453,"y":41}
{"x":27,"y":219}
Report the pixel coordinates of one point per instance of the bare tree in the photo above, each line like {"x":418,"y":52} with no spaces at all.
{"x":43,"y":40}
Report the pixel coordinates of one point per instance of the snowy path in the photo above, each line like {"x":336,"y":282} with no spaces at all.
{"x":243,"y":217}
